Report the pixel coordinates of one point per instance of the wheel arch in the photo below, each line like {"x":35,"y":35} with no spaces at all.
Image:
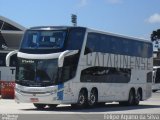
{"x":141,"y":92}
{"x":85,"y":89}
{"x":134,"y":91}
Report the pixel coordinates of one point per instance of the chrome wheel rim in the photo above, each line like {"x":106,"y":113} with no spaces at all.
{"x":92,"y":99}
{"x":81,"y":99}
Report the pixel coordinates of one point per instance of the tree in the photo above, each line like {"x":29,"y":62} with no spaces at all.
{"x":155,"y":37}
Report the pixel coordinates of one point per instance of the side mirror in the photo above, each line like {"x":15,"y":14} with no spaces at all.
{"x":64,"y":54}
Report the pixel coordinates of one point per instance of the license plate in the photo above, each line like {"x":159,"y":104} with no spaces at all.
{"x":34,"y":100}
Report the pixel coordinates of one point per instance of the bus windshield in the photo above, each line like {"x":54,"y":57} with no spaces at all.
{"x":43,"y":39}
{"x":37,"y":72}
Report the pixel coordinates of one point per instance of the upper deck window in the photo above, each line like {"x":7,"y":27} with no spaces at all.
{"x":43,"y":39}
{"x":75,"y":39}
{"x":97,"y":42}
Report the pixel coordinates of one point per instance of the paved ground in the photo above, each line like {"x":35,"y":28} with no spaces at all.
{"x":151,"y":106}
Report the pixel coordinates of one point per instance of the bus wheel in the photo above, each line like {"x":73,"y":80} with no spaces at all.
{"x":82,"y":99}
{"x":137,"y":98}
{"x":39,"y":106}
{"x":93,"y":98}
{"x":131,"y":98}
{"x":52,"y":106}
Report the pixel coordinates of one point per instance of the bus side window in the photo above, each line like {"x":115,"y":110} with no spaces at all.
{"x":92,"y":44}
{"x":89,"y":45}
{"x":75,"y":39}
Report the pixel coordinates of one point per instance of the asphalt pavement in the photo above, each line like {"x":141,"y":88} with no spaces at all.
{"x":22,"y":111}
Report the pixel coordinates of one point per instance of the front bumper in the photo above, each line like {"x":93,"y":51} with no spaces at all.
{"x":48,"y":98}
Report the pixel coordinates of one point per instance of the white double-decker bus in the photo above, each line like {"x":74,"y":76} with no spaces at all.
{"x":82,"y":67}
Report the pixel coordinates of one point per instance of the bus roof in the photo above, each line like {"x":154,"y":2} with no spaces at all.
{"x":89,"y":29}
{"x":52,"y":27}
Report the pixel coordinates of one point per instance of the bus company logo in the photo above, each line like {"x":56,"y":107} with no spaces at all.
{"x":9,"y":117}
{"x":118,"y":61}
{"x":27,"y":61}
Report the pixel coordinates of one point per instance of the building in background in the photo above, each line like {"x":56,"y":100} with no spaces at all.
{"x":10,"y":33}
{"x":10,"y":37}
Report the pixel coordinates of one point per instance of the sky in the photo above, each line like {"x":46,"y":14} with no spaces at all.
{"x":137,"y":18}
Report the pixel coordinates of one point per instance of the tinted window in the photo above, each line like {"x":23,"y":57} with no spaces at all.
{"x":126,"y":46}
{"x":116,"y":45}
{"x":92,"y":40}
{"x":43,"y":39}
{"x":75,"y":39}
{"x":105,"y":74}
{"x":136,"y":46}
{"x":104,"y":43}
{"x":37,"y":73}
{"x":63,"y":39}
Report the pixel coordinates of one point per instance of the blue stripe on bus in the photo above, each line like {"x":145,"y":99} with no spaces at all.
{"x":60,"y":92}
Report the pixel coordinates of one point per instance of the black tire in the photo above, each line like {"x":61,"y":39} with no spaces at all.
{"x":52,"y":106}
{"x":138,"y":97}
{"x":93,"y":98}
{"x":130,"y":101}
{"x":39,"y":106}
{"x":82,"y":100}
